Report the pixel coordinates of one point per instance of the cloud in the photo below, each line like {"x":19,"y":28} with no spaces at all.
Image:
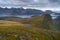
{"x":26,"y":0}
{"x":55,"y":1}
{"x":30,"y":3}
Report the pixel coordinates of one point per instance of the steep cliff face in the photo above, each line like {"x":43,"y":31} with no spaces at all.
{"x":46,"y":21}
{"x":57,"y":23}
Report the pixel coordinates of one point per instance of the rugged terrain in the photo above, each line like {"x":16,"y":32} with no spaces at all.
{"x":35,"y":28}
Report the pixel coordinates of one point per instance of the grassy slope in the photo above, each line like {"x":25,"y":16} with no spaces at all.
{"x":35,"y":21}
{"x":15,"y":28}
{"x":9,"y":29}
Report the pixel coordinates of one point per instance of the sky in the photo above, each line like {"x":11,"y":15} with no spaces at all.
{"x":37,"y":4}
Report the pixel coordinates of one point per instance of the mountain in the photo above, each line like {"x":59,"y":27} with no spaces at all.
{"x":43,"y":21}
{"x":14,"y":28}
{"x":21,"y":11}
{"x":48,"y":12}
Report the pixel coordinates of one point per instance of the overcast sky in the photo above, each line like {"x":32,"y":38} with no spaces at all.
{"x":43,"y":4}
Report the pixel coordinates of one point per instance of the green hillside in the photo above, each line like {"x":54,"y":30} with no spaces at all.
{"x":43,"y":21}
{"x":17,"y":31}
{"x":41,"y":28}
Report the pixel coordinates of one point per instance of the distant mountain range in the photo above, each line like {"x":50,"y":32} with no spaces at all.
{"x":22,"y":11}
